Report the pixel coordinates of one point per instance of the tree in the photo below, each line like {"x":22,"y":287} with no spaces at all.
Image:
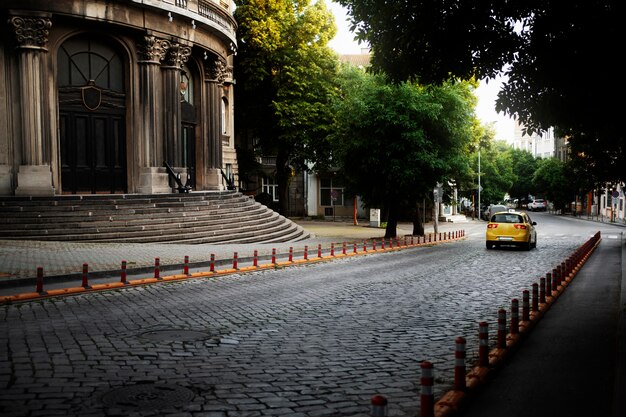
{"x":524,"y":165}
{"x":552,"y":180}
{"x":496,"y":171}
{"x":561,"y":60}
{"x":394,"y":142}
{"x":286,"y":77}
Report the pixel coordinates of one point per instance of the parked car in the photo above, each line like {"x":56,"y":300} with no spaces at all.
{"x":537,"y":205}
{"x":511,"y":228}
{"x":493,"y":208}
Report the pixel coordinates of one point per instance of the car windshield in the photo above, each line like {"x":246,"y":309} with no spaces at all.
{"x":507,"y":218}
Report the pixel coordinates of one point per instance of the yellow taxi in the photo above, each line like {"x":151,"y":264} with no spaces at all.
{"x":511,"y":228}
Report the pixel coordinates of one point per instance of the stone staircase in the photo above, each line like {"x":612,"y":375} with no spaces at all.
{"x":197,"y":217}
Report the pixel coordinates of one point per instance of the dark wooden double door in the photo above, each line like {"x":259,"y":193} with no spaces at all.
{"x":93,"y":151}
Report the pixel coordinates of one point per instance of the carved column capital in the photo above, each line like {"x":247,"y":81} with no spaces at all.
{"x":152,"y":49}
{"x":31,"y":32}
{"x":176,"y":55}
{"x":217,"y":71}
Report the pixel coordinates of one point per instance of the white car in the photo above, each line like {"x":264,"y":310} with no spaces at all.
{"x":537,"y":205}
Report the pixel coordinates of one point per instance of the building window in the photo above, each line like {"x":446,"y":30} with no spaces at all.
{"x":90,"y":60}
{"x":268,"y":185}
{"x":186,"y":85}
{"x":224,"y":116}
{"x":331,"y":192}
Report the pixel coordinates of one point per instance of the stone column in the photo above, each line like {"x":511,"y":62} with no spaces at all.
{"x":214,"y":75}
{"x":175,"y":56}
{"x":31,"y":33}
{"x":153,"y":177}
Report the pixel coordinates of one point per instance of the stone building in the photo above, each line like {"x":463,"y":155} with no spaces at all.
{"x":95,"y":96}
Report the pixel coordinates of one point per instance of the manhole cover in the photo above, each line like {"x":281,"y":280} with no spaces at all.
{"x":175,"y":335}
{"x":148,"y":396}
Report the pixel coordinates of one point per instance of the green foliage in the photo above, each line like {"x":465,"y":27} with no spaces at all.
{"x":554,"y":54}
{"x":524,"y":165}
{"x":394,"y":142}
{"x":286,"y":81}
{"x":553,"y":180}
{"x":496,"y":171}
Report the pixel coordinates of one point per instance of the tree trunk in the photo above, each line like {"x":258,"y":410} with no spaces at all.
{"x":418,"y":226}
{"x":392,"y":221}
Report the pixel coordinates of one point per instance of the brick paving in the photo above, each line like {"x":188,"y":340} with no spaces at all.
{"x":313,"y":340}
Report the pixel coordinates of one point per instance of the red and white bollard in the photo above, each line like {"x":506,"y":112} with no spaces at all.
{"x":235,"y":261}
{"x":534,"y":306}
{"x":85,"y":283}
{"x":483,"y":344}
{"x":514,"y":316}
{"x":306,"y":252}
{"x":290,"y":253}
{"x":501,"y":341}
{"x":255,"y":259}
{"x":273,"y":256}
{"x":157,"y":268}
{"x":374,"y":244}
{"x":365,"y":246}
{"x":427,"y":396}
{"x":186,"y":265}
{"x":39,"y":283}
{"x":379,"y":406}
{"x":319,"y":251}
{"x":332,"y":249}
{"x":525,"y":305}
{"x":354,"y":249}
{"x":382,"y":244}
{"x":123,"y":273}
{"x":343,"y":248}
{"x":459,"y":364}
{"x":212,"y":266}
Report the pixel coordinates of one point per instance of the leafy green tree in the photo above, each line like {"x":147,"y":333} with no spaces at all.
{"x":496,"y":171}
{"x":553,"y":54}
{"x":553,"y":180}
{"x":524,"y":165}
{"x":286,"y":78}
{"x":394,"y":142}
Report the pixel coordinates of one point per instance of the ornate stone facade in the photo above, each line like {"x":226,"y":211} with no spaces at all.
{"x":93,"y":99}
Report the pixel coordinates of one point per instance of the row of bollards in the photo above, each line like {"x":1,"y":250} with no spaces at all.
{"x":414,"y":241}
{"x":533,"y":306}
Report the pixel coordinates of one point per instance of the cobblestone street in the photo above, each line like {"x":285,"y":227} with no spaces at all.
{"x":314,"y":340}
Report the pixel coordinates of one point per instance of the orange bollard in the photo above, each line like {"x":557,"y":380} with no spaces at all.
{"x":459,"y":364}
{"x":483,"y":344}
{"x":85,"y":283}
{"x":427,"y":397}
{"x":123,"y":274}
{"x":39,"y":284}
{"x":379,"y":406}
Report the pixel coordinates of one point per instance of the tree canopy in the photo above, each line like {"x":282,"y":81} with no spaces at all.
{"x":286,"y":77}
{"x":394,"y":142}
{"x":560,"y":59}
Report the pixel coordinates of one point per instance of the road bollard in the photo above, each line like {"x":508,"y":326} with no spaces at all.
{"x":459,"y":364}
{"x":535,"y":298}
{"x":332,"y":249}
{"x":379,"y":406}
{"x":290,"y":253}
{"x":186,"y":265}
{"x":39,"y":283}
{"x":85,"y":283}
{"x":212,"y":266}
{"x":548,"y":284}
{"x":123,"y":273}
{"x":157,"y":268}
{"x":255,"y":259}
{"x":319,"y":250}
{"x":354,"y":249}
{"x":343,"y":249}
{"x":525,"y":305}
{"x":427,"y":397}
{"x":235,"y":261}
{"x":501,"y":340}
{"x":273,"y":256}
{"x":514,"y":316}
{"x":306,"y":252}
{"x":483,"y":344}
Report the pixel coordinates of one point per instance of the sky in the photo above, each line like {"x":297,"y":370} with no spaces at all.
{"x":344,"y":43}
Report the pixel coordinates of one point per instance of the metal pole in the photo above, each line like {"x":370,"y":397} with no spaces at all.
{"x":479,"y":213}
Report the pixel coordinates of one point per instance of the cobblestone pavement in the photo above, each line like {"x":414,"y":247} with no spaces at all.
{"x":314,"y":340}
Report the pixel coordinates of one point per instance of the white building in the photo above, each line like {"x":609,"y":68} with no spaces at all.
{"x":541,"y":146}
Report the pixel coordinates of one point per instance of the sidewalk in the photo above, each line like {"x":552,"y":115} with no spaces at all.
{"x":63,"y":261}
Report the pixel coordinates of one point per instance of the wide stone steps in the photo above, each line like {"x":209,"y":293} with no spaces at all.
{"x":197,"y":217}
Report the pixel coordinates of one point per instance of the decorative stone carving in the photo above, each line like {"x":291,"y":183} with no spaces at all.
{"x":217,"y":71}
{"x":152,"y":49}
{"x":176,"y":54}
{"x":31,"y":32}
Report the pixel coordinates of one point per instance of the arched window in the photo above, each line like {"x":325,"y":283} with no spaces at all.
{"x":83,"y":60}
